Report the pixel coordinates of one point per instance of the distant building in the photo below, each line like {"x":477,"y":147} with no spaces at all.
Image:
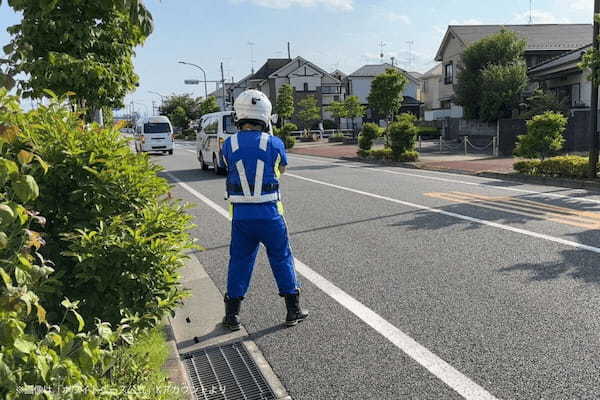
{"x":359,"y":85}
{"x":544,"y":42}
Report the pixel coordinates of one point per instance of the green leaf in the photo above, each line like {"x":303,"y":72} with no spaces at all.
{"x":8,"y":168}
{"x":5,"y":278}
{"x":26,"y":188}
{"x":79,"y":320}
{"x":24,"y":346}
{"x":3,"y":241}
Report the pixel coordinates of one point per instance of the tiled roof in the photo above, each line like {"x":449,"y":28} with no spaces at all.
{"x":538,"y":37}
{"x":567,"y":58}
{"x":272,"y":65}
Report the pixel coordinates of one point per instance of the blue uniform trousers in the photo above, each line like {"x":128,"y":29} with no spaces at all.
{"x":246,"y":235}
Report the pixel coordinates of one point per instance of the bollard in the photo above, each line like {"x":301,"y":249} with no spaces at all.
{"x":466,"y":139}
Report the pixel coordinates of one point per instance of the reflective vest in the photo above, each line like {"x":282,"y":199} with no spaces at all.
{"x":265,"y":188}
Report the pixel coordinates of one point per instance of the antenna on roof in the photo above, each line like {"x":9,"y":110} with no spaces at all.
{"x":410,"y":56}
{"x":381,"y":46}
{"x":530,"y":12}
{"x":251,"y":44}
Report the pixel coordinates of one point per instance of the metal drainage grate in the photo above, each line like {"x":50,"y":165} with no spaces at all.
{"x":226,"y":373}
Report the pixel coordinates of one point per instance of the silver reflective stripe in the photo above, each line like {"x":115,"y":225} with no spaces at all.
{"x":243,"y":180}
{"x":235,"y":145}
{"x":258,"y":178}
{"x":255,"y":200}
{"x":264,"y":140}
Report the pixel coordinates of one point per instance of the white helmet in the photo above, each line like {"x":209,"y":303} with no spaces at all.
{"x":252,"y":106}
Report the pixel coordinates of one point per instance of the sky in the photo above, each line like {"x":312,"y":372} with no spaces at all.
{"x":334,"y":34}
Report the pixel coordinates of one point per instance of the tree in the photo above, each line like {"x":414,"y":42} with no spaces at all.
{"x":181,"y":109}
{"x":544,"y":136}
{"x":502,"y":49}
{"x":503,"y":85}
{"x":308,"y":111}
{"x":285,"y":103}
{"x":386,"y":93}
{"x":353,"y":109}
{"x":337,"y":110}
{"x":403,"y":135}
{"x":208,"y":106}
{"x":85,"y":48}
{"x":540,"y":102}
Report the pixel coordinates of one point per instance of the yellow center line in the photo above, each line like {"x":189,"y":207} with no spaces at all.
{"x":530,"y":208}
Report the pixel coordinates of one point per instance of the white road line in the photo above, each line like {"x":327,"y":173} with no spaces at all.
{"x":434,"y":364}
{"x":436,"y":178}
{"x":454,"y":215}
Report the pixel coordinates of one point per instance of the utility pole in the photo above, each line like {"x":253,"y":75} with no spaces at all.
{"x":289,"y":52}
{"x":594,"y":102}
{"x":223,"y":83}
{"x":410,"y":45}
{"x":530,"y":12}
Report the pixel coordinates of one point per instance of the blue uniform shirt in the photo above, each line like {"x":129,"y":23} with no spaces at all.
{"x":276,"y":150}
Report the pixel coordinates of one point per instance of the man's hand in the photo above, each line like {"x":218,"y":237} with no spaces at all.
{"x":282,"y":169}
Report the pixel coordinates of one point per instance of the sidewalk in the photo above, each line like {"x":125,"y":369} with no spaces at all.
{"x":199,"y":337}
{"x":472,"y":163}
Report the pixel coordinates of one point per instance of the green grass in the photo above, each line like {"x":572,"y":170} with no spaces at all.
{"x":139,"y":368}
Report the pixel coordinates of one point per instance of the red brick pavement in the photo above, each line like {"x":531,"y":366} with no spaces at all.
{"x":503,"y":165}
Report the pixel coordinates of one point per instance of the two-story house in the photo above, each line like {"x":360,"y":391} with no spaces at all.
{"x":544,"y":42}
{"x":359,"y":85}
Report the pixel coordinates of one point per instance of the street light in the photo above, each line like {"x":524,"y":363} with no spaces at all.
{"x":203,"y":71}
{"x":162,"y":98}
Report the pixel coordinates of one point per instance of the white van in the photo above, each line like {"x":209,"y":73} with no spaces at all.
{"x":213,"y":129}
{"x":154,"y":134}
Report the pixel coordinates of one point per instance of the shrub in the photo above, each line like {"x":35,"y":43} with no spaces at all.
{"x":370,"y":132}
{"x":117,"y":243}
{"x":407,"y":156}
{"x":428,"y":131}
{"x":34,"y":348}
{"x":363,"y":153}
{"x":528,"y":167}
{"x":402,"y":134}
{"x":560,"y":167}
{"x":544,"y":136}
{"x":289,"y":142}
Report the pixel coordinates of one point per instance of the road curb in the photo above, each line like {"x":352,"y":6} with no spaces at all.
{"x":197,"y":324}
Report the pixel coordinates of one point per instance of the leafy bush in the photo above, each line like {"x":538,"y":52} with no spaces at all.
{"x":363,"y":153}
{"x":529,"y":167}
{"x":370,"y":132}
{"x":559,"y":167}
{"x":116,"y":243}
{"x":403,"y":134}
{"x":428,"y":131}
{"x":381,"y":154}
{"x":407,"y":156}
{"x":289,"y":142}
{"x":544,"y":136}
{"x":34,"y":349}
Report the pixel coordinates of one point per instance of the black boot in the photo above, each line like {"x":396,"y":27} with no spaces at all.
{"x":294,"y":313}
{"x":232,"y":310}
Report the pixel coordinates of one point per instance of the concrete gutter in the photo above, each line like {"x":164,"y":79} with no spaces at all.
{"x":197,"y":325}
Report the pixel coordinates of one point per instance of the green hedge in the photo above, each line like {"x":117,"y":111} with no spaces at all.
{"x":560,"y":167}
{"x":388,"y":155}
{"x":45,"y":338}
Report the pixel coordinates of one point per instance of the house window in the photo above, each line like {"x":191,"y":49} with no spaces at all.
{"x":425,"y":86}
{"x":575,"y":95}
{"x":449,"y":73}
{"x":305,"y":86}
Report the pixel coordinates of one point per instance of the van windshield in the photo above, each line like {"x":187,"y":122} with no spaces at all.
{"x":228,"y":124}
{"x":157,"y":127}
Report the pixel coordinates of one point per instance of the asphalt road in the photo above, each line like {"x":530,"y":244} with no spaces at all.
{"x":497,"y":283}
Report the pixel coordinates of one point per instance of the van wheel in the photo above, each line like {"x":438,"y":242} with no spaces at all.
{"x":170,"y":152}
{"x":203,"y":165}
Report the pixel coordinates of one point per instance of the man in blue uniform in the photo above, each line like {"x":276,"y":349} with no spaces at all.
{"x":255,"y":160}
